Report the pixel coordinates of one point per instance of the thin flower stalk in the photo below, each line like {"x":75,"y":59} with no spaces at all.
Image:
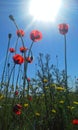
{"x":9,"y":36}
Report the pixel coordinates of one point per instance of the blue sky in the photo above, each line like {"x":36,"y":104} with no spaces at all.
{"x":52,"y":42}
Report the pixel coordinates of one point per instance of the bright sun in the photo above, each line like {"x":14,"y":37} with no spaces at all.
{"x":44,"y":10}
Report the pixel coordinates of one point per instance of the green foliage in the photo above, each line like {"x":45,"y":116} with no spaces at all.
{"x":47,"y":104}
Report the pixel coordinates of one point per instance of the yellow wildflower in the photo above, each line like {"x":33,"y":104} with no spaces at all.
{"x":53,"y":110}
{"x":70,"y":107}
{"x":43,"y":95}
{"x":37,"y":114}
{"x":53,"y":85}
{"x":61,"y":101}
{"x":60,"y":88}
{"x":46,"y":87}
{"x":75,"y":102}
{"x":45,"y":80}
{"x":26,"y":105}
{"x":1,"y":96}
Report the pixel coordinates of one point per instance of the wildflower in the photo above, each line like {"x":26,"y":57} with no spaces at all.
{"x":23,"y":49}
{"x":53,"y":110}
{"x":28,"y":79}
{"x":63,"y":28}
{"x":12,"y":50}
{"x":53,"y":85}
{"x":18,"y":59}
{"x":29,"y":59}
{"x":35,"y":35}
{"x":37,"y":114}
{"x":61,"y":101}
{"x":43,"y":95}
{"x":76,"y":103}
{"x":20,"y":33}
{"x":16,"y":93}
{"x":45,"y":80}
{"x":1,"y":96}
{"x":46,"y":87}
{"x":17,"y":109}
{"x":18,"y":112}
{"x":26,"y":105}
{"x":60,"y":88}
{"x":70,"y":107}
{"x":29,"y":98}
{"x":75,"y":121}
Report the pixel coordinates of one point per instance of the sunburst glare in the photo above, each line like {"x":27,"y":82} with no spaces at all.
{"x":44,"y":10}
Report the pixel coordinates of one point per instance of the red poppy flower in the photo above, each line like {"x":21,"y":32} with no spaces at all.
{"x":23,"y":49}
{"x":75,"y":122}
{"x":20,"y":33}
{"x":28,"y":79}
{"x":29,"y":98}
{"x":11,"y":50}
{"x":17,"y":109}
{"x":19,"y":106}
{"x":63,"y":28}
{"x":35,"y":35}
{"x":29,"y":59}
{"x":18,"y":112}
{"x":16,"y":93}
{"x":18,"y":59}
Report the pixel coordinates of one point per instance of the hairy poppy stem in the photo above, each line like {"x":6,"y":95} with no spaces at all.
{"x":9,"y":81}
{"x":18,"y":76}
{"x":16,"y":45}
{"x":25,"y":68}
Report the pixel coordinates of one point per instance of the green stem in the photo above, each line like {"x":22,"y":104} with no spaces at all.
{"x":5,"y":63}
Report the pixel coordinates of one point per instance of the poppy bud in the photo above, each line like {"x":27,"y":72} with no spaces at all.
{"x":9,"y":35}
{"x":11,"y":50}
{"x":23,"y":49}
{"x":29,"y":59}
